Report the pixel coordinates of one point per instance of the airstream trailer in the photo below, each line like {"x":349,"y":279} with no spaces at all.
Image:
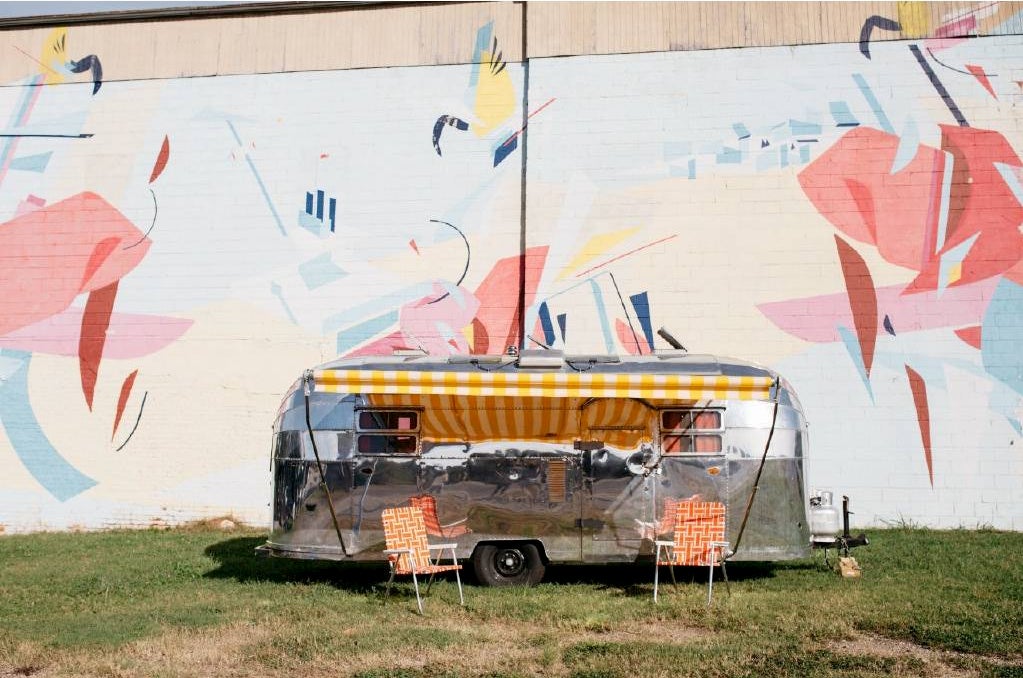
{"x":525,"y":460}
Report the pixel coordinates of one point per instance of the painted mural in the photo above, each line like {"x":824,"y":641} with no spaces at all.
{"x":178,"y":251}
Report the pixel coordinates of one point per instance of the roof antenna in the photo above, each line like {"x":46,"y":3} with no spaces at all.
{"x":675,"y":343}
{"x":538,"y":343}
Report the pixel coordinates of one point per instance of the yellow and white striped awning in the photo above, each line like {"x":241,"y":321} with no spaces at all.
{"x":544,"y":385}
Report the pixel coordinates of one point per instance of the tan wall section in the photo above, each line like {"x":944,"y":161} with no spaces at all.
{"x":369,"y":37}
{"x":570,"y":28}
{"x":414,"y":35}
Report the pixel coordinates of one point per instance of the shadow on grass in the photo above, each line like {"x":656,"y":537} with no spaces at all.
{"x":637,"y":578}
{"x":236,"y":559}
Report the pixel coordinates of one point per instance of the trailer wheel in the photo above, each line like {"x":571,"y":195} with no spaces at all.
{"x":508,"y":564}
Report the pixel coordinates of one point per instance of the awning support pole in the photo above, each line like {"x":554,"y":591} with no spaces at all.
{"x":307,"y":383}
{"x":760,"y":469}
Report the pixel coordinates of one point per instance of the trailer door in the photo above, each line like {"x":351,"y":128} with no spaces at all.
{"x":616,"y":448}
{"x":693,"y":466}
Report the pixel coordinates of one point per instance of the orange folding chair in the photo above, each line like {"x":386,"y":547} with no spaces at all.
{"x":698,"y":539}
{"x":433,"y":527}
{"x":408,"y":551}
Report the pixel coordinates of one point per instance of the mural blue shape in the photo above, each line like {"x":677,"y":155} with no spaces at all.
{"x":259,"y":181}
{"x":842,"y":115}
{"x":562,"y":322}
{"x":874,"y":104}
{"x":641,"y":303}
{"x":353,"y":336}
{"x":32,"y":163}
{"x":800,"y":128}
{"x":320,"y":271}
{"x":278,"y":291}
{"x":605,"y":325}
{"x":1001,"y":338}
{"x":47,"y":466}
{"x":315,"y":210}
{"x":546,"y":324}
{"x":505,"y":149}
{"x":729,"y":156}
{"x":852,"y":345}
{"x":741,"y":132}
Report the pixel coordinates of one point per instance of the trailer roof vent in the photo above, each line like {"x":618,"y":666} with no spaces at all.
{"x":549,"y":360}
{"x":601,"y":358}
{"x":409,"y":353}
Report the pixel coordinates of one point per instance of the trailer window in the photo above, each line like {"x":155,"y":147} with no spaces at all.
{"x":393,"y":431}
{"x":691,"y":431}
{"x":388,"y":420}
{"x":384,"y":444}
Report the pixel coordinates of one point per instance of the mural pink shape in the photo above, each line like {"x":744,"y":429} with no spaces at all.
{"x":60,"y":251}
{"x":130,"y":335}
{"x":862,"y":300}
{"x":817,"y":318}
{"x":923,"y":415}
{"x":851,"y":184}
{"x":627,"y":338}
{"x":499,"y":300}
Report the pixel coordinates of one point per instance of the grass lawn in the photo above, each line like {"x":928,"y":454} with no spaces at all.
{"x":197,"y":602}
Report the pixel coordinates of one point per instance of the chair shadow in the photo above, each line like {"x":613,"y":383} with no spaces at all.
{"x":236,"y":559}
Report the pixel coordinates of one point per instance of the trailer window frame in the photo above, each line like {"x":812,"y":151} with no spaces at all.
{"x":689,"y":433}
{"x":392,"y":436}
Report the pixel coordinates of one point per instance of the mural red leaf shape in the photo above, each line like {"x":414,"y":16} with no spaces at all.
{"x":161,"y":160}
{"x":852,"y":186}
{"x":862,"y":299}
{"x":923,"y":415}
{"x":122,"y":400}
{"x":971,"y":335}
{"x":95,"y":321}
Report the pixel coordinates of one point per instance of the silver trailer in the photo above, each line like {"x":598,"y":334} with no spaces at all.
{"x":538,"y":458}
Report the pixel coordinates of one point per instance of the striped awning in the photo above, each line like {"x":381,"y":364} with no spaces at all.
{"x":545,"y":385}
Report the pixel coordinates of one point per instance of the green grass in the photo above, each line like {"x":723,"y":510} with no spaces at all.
{"x":198,"y":602}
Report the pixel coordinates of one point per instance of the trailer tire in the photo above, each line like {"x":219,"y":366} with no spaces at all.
{"x":511,"y":564}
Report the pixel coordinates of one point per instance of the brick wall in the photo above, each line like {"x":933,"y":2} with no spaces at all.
{"x":186,"y":247}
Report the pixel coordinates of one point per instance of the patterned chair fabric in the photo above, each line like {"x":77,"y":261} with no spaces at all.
{"x":408,"y":550}
{"x":428,"y":504}
{"x":698,"y":539}
{"x":697,"y":524}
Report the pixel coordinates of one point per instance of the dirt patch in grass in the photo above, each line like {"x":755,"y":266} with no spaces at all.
{"x":938,"y":662}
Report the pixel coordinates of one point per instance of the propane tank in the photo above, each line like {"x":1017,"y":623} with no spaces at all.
{"x":825,"y":518}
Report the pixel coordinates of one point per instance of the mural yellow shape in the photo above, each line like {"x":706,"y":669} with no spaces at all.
{"x":495,"y":97}
{"x":594,"y":247}
{"x":469,"y":333}
{"x":53,"y":56}
{"x":915,"y":19}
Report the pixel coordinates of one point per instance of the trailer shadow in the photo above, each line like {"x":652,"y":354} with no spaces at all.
{"x":236,"y":559}
{"x":636,"y":579}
